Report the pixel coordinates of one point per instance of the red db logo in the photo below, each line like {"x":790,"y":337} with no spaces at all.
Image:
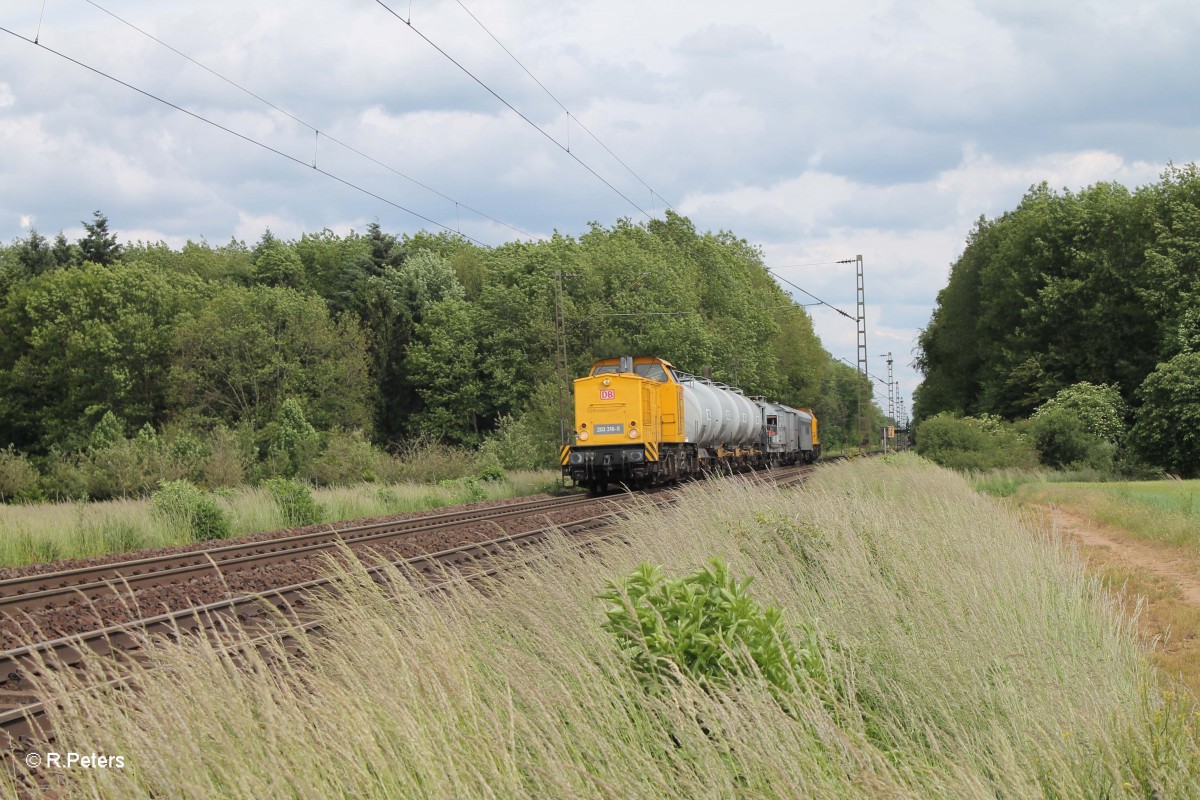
{"x":608,"y":394}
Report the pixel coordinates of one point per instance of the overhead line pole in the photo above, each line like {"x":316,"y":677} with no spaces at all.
{"x":864,"y":423}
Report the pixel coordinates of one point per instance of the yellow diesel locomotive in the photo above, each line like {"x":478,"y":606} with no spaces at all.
{"x":640,"y":421}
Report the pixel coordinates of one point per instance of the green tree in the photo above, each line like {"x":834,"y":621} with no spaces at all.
{"x":65,"y":253}
{"x":444,"y":363}
{"x":99,"y":246}
{"x":77,"y":343}
{"x":248,"y":349}
{"x":276,"y":264}
{"x":1167,"y":427}
{"x":35,"y":254}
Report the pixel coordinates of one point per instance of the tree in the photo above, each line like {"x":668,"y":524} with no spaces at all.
{"x":444,"y":364}
{"x":249,"y":348}
{"x":77,"y":343}
{"x":65,"y":253}
{"x":276,"y":264}
{"x":99,"y":246}
{"x":35,"y":254}
{"x":1167,"y":428}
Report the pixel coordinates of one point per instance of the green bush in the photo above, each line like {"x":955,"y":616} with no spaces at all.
{"x":511,"y":445}
{"x":1064,"y":440}
{"x":468,"y":490}
{"x":491,"y":473}
{"x":293,"y":441}
{"x":1099,"y":410}
{"x":348,"y":457}
{"x":424,"y":460}
{"x":123,"y":467}
{"x":18,"y":477}
{"x":704,"y":626}
{"x":295,"y":501}
{"x":189,"y":506}
{"x":974,"y":443}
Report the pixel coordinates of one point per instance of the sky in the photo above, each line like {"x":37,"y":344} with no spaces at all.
{"x":817,"y":131}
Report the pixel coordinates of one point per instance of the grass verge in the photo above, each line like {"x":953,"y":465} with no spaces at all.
{"x":962,"y":655}
{"x":38,"y":533}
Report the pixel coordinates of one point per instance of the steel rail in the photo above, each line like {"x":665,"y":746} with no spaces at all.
{"x":36,"y":592}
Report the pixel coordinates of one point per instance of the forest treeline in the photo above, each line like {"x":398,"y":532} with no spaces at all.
{"x":304,"y":358}
{"x":1070,"y":294}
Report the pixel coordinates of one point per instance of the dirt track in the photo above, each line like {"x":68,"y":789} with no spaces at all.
{"x":1166,"y":579}
{"x":1171,"y":563}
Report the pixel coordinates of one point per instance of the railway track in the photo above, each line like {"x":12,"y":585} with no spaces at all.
{"x":88,"y":584}
{"x":23,"y":716}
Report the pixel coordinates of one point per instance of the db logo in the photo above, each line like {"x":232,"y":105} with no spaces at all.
{"x":608,"y":394}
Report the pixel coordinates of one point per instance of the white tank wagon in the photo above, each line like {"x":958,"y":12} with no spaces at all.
{"x":717,"y":415}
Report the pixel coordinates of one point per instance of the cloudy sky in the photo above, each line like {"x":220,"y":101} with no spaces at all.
{"x":818,"y":131}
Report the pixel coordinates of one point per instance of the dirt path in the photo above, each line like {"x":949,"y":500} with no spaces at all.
{"x":1164,"y":561}
{"x":1164,"y":578}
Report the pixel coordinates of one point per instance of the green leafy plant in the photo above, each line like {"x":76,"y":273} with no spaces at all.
{"x":704,"y":626}
{"x":18,"y":477}
{"x":469,"y":489}
{"x":295,"y":501}
{"x":187,"y":505}
{"x":979,"y":443}
{"x":491,"y":473}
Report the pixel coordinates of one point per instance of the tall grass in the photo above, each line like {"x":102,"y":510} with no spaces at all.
{"x":968,"y":656}
{"x":36,"y":533}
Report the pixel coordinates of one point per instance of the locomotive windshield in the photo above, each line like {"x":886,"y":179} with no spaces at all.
{"x":654,"y":371}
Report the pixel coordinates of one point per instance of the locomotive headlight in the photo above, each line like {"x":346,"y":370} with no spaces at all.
{"x":583,"y":436}
{"x":633,"y":434}
{"x":606,"y":381}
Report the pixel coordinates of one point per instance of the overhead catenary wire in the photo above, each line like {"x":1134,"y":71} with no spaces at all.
{"x":318,"y":133}
{"x":241,"y":136}
{"x":810,"y":294}
{"x":566,"y":111}
{"x":511,"y":107}
{"x":855,"y":366}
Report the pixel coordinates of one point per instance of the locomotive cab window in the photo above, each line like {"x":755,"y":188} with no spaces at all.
{"x":654,"y":371}
{"x":604,"y":368}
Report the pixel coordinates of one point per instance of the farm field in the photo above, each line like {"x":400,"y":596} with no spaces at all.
{"x":43,"y":532}
{"x":943,"y":647}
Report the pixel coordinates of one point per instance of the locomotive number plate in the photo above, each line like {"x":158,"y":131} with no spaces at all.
{"x":602,"y":429}
{"x":608,"y":394}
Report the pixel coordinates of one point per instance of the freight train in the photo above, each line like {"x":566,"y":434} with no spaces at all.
{"x":639,"y":421}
